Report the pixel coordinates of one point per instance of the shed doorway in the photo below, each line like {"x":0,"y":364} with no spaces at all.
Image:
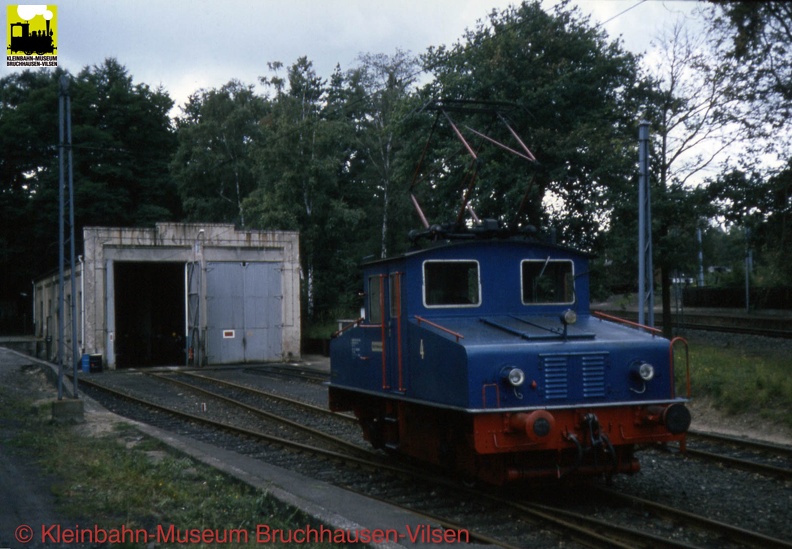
{"x":149,"y":313}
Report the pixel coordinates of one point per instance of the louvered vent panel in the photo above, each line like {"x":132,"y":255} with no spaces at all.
{"x":556,"y":377}
{"x":593,"y":370}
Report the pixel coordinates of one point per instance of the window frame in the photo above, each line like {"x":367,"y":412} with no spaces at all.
{"x":548,"y":260}
{"x":379,"y":299}
{"x":451,"y":305}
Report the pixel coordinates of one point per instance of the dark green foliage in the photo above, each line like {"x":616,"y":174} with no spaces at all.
{"x":28,"y":137}
{"x":122,"y":144}
{"x":575,"y":109}
{"x":756,"y":39}
{"x":758,"y":35}
{"x":303,"y":170}
{"x":214,"y":163}
{"x":761,"y":207}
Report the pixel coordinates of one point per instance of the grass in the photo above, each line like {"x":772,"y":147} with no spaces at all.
{"x":740,"y":382}
{"x":126,"y":479}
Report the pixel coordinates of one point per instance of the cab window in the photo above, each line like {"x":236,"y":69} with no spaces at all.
{"x":451,"y":284}
{"x":375,"y":299}
{"x":547,"y":281}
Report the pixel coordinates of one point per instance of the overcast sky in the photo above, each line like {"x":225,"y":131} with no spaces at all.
{"x":185,"y":46}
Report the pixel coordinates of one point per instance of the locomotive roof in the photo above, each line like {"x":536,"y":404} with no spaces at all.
{"x":517,"y":241}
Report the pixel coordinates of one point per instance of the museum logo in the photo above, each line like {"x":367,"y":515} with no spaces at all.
{"x":32,"y":35}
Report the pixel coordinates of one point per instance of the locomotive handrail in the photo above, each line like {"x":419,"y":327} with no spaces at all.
{"x":687,"y":361}
{"x":458,"y":336}
{"x":604,"y":316}
{"x":347,"y":327}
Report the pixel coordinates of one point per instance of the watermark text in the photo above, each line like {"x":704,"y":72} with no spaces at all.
{"x":262,"y":534}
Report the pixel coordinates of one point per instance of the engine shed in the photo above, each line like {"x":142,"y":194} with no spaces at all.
{"x":178,"y":294}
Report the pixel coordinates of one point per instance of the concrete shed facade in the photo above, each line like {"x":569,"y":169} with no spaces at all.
{"x":181,"y":294}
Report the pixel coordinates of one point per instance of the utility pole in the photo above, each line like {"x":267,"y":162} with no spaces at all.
{"x":748,"y":269}
{"x":64,"y":146}
{"x":700,"y":241}
{"x":645,"y":268}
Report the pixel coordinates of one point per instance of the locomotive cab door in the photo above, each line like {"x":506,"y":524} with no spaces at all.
{"x":385,"y":312}
{"x":395,"y":333}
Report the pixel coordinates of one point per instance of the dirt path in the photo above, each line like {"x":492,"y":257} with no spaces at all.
{"x":26,"y":499}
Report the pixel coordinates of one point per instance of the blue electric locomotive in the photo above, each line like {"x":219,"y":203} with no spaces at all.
{"x":479,"y":353}
{"x":482,"y":356}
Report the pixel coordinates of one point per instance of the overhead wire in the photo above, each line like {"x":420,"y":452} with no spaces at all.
{"x":619,"y":14}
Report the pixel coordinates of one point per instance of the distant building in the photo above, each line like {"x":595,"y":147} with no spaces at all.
{"x":179,"y":294}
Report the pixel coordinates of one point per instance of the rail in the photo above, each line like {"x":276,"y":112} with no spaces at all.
{"x":457,"y":335}
{"x":604,"y":316}
{"x":727,"y":321}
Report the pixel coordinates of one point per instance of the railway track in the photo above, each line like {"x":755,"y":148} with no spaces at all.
{"x":765,"y":332}
{"x":749,"y":455}
{"x":721,"y":529}
{"x":585,"y":528}
{"x":241,"y":396}
{"x":291,"y":371}
{"x":203,"y":416}
{"x":579,"y":528}
{"x":370,"y":461}
{"x":769,"y":326}
{"x":445,"y":501}
{"x":247,"y":389}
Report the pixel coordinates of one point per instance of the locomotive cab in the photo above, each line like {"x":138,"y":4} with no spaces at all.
{"x":482,"y":356}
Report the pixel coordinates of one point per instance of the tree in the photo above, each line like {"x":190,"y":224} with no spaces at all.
{"x":758,"y":36}
{"x":695,"y":108}
{"x":28,"y":135}
{"x":302,"y":172}
{"x":754,"y":39}
{"x":696,"y":118}
{"x":214,"y":163}
{"x":762,"y":207}
{"x":122,"y":141}
{"x":384,"y":84}
{"x":575,"y":96}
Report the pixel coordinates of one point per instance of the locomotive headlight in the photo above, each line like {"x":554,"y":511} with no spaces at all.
{"x":644,"y":371}
{"x":514,"y":376}
{"x":569,"y":317}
